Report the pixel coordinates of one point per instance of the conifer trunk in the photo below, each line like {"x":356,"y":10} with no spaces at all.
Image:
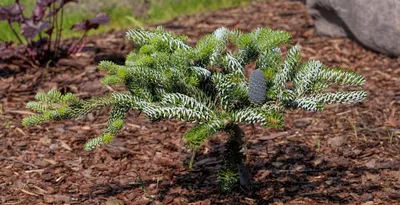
{"x":234,"y":167}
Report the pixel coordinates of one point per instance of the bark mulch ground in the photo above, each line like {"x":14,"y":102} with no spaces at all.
{"x":347,"y":154}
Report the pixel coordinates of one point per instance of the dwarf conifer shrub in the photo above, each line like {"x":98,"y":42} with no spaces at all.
{"x":206,"y":84}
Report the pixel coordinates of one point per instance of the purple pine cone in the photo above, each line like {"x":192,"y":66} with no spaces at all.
{"x":257,"y":87}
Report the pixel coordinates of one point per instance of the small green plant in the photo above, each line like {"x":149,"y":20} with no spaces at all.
{"x":206,"y":84}
{"x":143,"y":186}
{"x":229,"y":179}
{"x":354,"y":126}
{"x":317,"y":143}
{"x":390,"y":136}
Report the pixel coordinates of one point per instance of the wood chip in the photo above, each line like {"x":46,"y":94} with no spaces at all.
{"x":28,"y":192}
{"x":66,"y":146}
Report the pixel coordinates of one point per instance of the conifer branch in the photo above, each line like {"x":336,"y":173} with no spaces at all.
{"x":269,"y":60}
{"x":157,"y":112}
{"x":141,"y":37}
{"x":341,"y":77}
{"x":197,"y":135}
{"x":286,"y":71}
{"x":200,"y":72}
{"x":233,"y":65}
{"x":181,"y":100}
{"x":254,"y":115}
{"x":318,"y":101}
{"x":306,"y":77}
{"x":114,"y":125}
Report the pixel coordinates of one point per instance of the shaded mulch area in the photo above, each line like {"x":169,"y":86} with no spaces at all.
{"x":347,"y":154}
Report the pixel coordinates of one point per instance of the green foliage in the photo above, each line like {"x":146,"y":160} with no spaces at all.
{"x":196,"y":136}
{"x":205,"y":84}
{"x":228,"y":179}
{"x":162,"y":10}
{"x":114,"y":125}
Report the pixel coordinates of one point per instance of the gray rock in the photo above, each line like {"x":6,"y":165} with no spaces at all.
{"x":373,"y":23}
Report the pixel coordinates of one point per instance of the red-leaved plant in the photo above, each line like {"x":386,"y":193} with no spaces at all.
{"x":42,"y":31}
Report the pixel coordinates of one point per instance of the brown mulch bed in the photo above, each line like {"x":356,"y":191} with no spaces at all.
{"x":347,"y":154}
